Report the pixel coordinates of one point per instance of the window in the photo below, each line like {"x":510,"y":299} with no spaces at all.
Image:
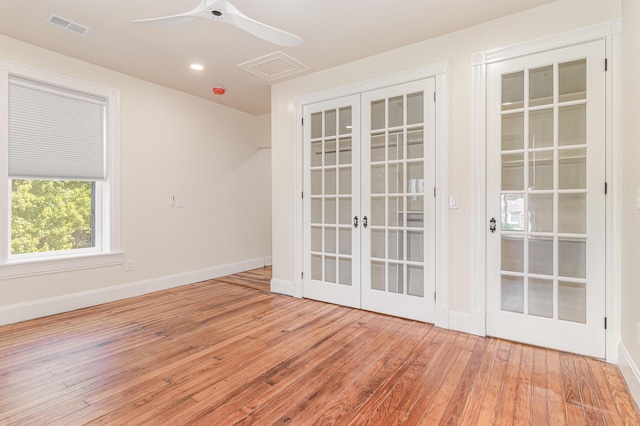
{"x":60,"y":202}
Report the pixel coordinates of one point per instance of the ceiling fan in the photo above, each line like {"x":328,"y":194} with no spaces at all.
{"x":223,"y":11}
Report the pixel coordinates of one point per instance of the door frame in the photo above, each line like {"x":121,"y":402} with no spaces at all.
{"x":439,"y":72}
{"x":610,"y":32}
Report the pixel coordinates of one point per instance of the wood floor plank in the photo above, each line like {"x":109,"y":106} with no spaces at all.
{"x":557,"y":399}
{"x":540,"y":388}
{"x":507,"y":406}
{"x":473,"y":406}
{"x":617,"y":395}
{"x":227,"y":351}
{"x":573,"y":398}
{"x":429,"y":394}
{"x":523,"y":411}
{"x":492,"y":397}
{"x":458,"y":400}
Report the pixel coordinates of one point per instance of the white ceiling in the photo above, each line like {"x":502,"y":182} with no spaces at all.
{"x":334,"y":32}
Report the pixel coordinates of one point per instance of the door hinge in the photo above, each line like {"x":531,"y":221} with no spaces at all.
{"x":302,"y":275}
{"x":605,"y":323}
{"x":434,"y":191}
{"x":434,"y":297}
{"x":606,"y":64}
{"x":302,"y":195}
{"x":606,"y":188}
{"x":302,"y":121}
{"x":434,"y":96}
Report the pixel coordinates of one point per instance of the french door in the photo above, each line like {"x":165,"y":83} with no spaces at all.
{"x":369,"y":216}
{"x":546,"y":199}
{"x":332,"y":224}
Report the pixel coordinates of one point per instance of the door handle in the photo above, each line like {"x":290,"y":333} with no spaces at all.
{"x":492,"y":225}
{"x":364,"y":221}
{"x":355,"y":221}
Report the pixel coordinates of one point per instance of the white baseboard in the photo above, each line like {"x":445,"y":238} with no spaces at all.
{"x":630,"y":372}
{"x":282,"y":287}
{"x":55,"y":305}
{"x":268,"y":261}
{"x":467,"y":322}
{"x":612,"y":348}
{"x":442,"y":319}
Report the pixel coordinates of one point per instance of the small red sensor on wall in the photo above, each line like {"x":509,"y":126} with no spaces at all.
{"x":218,"y":90}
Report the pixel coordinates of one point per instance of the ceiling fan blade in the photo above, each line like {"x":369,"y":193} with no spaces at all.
{"x":165,"y":21}
{"x":260,"y":30}
{"x":180,"y":18}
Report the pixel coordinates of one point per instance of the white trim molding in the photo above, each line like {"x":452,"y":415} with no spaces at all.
{"x":59,"y":264}
{"x":630,"y":373}
{"x":56,"y":305}
{"x":609,"y":32}
{"x":282,"y":287}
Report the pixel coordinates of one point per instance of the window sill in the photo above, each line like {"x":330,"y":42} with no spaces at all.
{"x":59,"y":264}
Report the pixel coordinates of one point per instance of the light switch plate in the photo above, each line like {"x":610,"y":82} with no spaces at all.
{"x":453,"y":201}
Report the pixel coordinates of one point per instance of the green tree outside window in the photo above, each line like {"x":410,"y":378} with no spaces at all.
{"x":51,"y":215}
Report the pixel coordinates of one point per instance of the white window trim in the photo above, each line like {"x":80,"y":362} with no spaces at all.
{"x":610,"y":32}
{"x":109,"y":253}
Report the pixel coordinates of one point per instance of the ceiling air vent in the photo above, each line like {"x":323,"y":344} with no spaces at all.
{"x":273,"y":66}
{"x":67,"y":25}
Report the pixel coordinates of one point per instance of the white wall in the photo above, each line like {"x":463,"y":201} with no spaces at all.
{"x":457,"y":49}
{"x":630,"y":155}
{"x":171,"y":143}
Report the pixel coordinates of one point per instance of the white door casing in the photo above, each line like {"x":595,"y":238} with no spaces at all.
{"x":332,"y":203}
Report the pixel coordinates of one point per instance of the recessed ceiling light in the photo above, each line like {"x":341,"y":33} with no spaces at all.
{"x":197,"y":67}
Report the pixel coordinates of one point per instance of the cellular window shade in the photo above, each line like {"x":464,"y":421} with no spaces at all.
{"x":55,"y":134}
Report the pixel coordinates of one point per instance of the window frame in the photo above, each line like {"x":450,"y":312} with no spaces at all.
{"x":107,"y":250}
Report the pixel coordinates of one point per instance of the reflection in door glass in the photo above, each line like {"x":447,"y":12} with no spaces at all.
{"x":572,"y":125}
{"x":541,"y":86}
{"x":572,"y":257}
{"x":330,"y":267}
{"x":512,"y":172}
{"x":541,"y":128}
{"x":572,"y":301}
{"x":572,"y":168}
{"x":512,"y":294}
{"x":415,"y":143}
{"x":513,"y":91}
{"x":344,"y":266}
{"x":512,"y":208}
{"x":512,"y":131}
{"x":330,"y":117}
{"x":345,"y":120}
{"x":512,"y":253}
{"x":572,"y":80}
{"x":541,"y":297}
{"x":541,"y":170}
{"x":377,"y":276}
{"x":396,"y":278}
{"x":415,"y":280}
{"x":396,"y":111}
{"x":415,"y":108}
{"x":378,"y":112}
{"x":541,"y":255}
{"x":541,"y":212}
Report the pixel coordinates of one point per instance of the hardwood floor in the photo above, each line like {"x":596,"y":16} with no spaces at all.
{"x":214,"y":353}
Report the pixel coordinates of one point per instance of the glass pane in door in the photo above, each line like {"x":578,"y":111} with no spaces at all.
{"x":331,"y":196}
{"x":397,"y":195}
{"x":543,"y":192}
